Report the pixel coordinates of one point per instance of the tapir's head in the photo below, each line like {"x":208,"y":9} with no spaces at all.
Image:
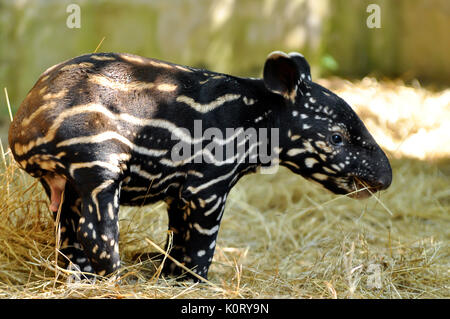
{"x":320,"y":136}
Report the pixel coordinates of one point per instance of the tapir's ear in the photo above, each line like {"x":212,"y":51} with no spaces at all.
{"x":302,"y":64}
{"x":281,"y":75}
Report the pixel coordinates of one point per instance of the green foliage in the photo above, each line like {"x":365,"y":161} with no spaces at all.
{"x":329,"y":63}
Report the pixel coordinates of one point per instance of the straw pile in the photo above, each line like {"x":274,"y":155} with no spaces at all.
{"x":281,"y":236}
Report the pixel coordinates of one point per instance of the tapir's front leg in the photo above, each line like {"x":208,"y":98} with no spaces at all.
{"x":195,"y":225}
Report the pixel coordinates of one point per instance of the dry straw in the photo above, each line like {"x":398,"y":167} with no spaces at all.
{"x":281,"y":237}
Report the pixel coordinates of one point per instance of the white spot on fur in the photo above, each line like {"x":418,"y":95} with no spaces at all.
{"x":295,"y":151}
{"x":248,"y":101}
{"x":319,"y":176}
{"x":309,"y":162}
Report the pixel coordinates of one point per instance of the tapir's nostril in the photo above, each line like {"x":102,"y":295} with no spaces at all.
{"x":384,"y":181}
{"x":384,"y":172}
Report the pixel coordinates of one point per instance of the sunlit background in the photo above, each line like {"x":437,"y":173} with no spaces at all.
{"x":395,"y":75}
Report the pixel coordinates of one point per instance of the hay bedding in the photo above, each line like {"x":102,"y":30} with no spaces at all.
{"x":281,"y":236}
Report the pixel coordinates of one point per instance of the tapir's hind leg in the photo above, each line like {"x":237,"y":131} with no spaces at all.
{"x":98,"y":230}
{"x":71,"y":250}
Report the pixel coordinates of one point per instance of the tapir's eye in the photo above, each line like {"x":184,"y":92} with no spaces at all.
{"x":336,"y":139}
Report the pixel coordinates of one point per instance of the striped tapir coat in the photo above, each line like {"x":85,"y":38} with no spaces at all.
{"x":104,"y":130}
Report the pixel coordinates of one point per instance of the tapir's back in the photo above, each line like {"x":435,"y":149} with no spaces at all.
{"x":89,"y":94}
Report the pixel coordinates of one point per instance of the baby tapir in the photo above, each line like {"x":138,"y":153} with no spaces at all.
{"x":106,"y":129}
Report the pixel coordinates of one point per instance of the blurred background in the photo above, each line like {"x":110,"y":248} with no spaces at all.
{"x":390,"y":62}
{"x":410,"y":42}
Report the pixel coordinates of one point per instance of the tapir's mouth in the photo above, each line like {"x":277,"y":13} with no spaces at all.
{"x":363,"y":189}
